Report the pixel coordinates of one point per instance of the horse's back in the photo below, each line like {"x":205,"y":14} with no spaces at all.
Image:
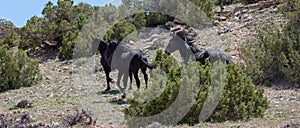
{"x":215,"y":55}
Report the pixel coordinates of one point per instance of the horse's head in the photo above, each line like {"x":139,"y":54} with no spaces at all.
{"x":201,"y":56}
{"x":176,"y":43}
{"x":98,"y":44}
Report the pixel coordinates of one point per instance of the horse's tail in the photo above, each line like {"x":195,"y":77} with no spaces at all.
{"x":144,"y":59}
{"x":150,"y":66}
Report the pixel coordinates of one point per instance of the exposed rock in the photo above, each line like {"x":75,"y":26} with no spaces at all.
{"x":155,"y":125}
{"x":220,"y":18}
{"x":216,"y":22}
{"x":24,"y":104}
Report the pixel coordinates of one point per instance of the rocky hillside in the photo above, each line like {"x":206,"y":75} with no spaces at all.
{"x":231,"y":29}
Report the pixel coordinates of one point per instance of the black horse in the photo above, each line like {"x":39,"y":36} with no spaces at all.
{"x":102,"y":46}
{"x":177,"y":43}
{"x":188,"y":50}
{"x":128,"y":61}
{"x":213,"y":55}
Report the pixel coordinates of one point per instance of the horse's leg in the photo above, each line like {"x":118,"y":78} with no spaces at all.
{"x":136,"y":77}
{"x":145,"y":75}
{"x":107,"y":79}
{"x":118,"y":81}
{"x":130,"y":78}
{"x":125,"y":80}
{"x":120,"y":74}
{"x":107,"y":70}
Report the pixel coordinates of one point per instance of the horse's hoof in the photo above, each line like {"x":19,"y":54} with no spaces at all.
{"x":112,"y":81}
{"x":123,"y":96}
{"x":107,"y":89}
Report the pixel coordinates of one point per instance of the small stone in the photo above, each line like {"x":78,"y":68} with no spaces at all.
{"x":49,"y":78}
{"x":216,"y":22}
{"x":222,"y":18}
{"x":245,"y":10}
{"x":65,"y":68}
{"x":274,"y":10}
{"x":7,"y":99}
{"x":245,"y":16}
{"x":237,"y":13}
{"x":236,"y":18}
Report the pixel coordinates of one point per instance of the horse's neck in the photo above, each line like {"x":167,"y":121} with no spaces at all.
{"x":194,"y":49}
{"x":102,"y":49}
{"x":185,"y":54}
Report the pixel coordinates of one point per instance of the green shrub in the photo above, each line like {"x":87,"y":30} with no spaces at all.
{"x":240,"y":99}
{"x":68,"y":44}
{"x":205,"y":5}
{"x":120,"y":30}
{"x":17,"y":69}
{"x":274,"y":58}
{"x":154,"y":19}
{"x":11,"y":38}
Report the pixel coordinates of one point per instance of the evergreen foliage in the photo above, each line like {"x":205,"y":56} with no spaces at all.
{"x":274,"y":56}
{"x":206,"y":6}
{"x":17,"y":70}
{"x":240,"y":99}
{"x":62,"y":22}
{"x":4,"y":22}
{"x":58,"y":23}
{"x":11,"y":38}
{"x":120,"y":30}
